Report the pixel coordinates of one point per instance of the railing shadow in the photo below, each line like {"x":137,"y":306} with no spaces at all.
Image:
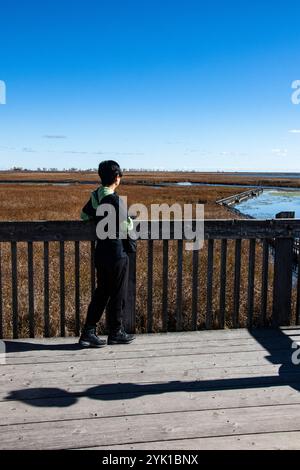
{"x":25,"y":346}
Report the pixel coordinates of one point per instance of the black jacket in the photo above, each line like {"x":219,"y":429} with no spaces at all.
{"x":109,"y":249}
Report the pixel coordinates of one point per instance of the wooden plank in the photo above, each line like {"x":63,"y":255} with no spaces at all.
{"x":14,"y":283}
{"x":160,"y":350}
{"x":251,"y":273}
{"x":262,"y":441}
{"x":189,"y":362}
{"x":233,"y":379}
{"x":1,"y":297}
{"x":195,"y":289}
{"x":91,"y":404}
{"x":282,"y":289}
{"x":223,"y":282}
{"x":53,"y":347}
{"x":144,"y":343}
{"x":245,"y":369}
{"x":251,"y":357}
{"x":139,"y":353}
{"x":237,"y":283}
{"x":165,"y":284}
{"x":62,"y":288}
{"x":203,"y":336}
{"x":30,"y":289}
{"x":46,"y":290}
{"x":264,"y":282}
{"x":209,"y":287}
{"x":150,"y":287}
{"x":239,"y":228}
{"x":85,"y":231}
{"x":179,"y":286}
{"x":47,"y":231}
{"x":151,"y":427}
{"x":77,"y":287}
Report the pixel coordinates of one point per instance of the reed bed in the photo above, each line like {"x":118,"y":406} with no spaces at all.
{"x":64,"y":203}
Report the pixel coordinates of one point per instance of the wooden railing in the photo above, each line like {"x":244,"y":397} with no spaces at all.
{"x":255,"y":232}
{"x":243,"y":196}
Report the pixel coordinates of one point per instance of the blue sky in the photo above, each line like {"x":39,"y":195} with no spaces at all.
{"x":154,"y":84}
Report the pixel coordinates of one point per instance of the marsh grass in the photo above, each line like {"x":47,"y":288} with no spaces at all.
{"x":64,"y":203}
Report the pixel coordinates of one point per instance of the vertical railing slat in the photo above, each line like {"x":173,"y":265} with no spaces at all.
{"x":223,"y":282}
{"x":264,"y":282}
{"x":179,"y":286}
{"x":195,"y":288}
{"x":77,"y":288}
{"x":46,"y":290}
{"x":14,"y":273}
{"x":130,"y":306}
{"x":93,"y":274}
{"x":1,"y":298}
{"x":62,"y":288}
{"x":165,"y":284}
{"x":150,"y":287}
{"x":298,"y":293}
{"x":209,"y":288}
{"x":251,"y":274}
{"x":282,"y":286}
{"x":237,"y":282}
{"x":30,"y":289}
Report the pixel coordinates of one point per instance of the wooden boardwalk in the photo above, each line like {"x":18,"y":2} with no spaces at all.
{"x":196,"y":390}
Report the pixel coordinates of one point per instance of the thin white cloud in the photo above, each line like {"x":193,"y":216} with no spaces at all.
{"x":294,"y":131}
{"x":49,"y":136}
{"x":76,"y":152}
{"x":232,"y":154}
{"x":4,"y":147}
{"x":118,"y":153}
{"x":280,"y":152}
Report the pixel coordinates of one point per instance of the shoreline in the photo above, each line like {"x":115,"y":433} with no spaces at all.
{"x":280,"y":180}
{"x":161,"y":184}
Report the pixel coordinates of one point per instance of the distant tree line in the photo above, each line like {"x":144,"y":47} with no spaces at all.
{"x":92,"y":170}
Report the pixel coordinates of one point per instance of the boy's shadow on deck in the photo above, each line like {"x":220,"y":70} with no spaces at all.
{"x":288,"y":374}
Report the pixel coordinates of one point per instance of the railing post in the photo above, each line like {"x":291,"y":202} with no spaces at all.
{"x":129,"y":316}
{"x":283,"y":272}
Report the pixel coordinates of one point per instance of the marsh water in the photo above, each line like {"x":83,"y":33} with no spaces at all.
{"x":270,"y":202}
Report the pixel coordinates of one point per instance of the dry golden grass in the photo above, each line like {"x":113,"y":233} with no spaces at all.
{"x":33,"y":202}
{"x":48,"y":202}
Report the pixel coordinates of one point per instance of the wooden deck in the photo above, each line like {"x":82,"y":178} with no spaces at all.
{"x":199,"y":390}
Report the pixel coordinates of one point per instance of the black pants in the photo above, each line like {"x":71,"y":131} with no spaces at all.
{"x":111,"y":292}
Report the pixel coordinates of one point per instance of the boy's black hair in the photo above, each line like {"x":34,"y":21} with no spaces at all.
{"x":108,"y":171}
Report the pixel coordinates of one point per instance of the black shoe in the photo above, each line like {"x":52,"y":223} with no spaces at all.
{"x":89,"y":339}
{"x":120,"y":337}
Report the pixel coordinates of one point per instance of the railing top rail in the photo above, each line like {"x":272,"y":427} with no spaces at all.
{"x":85,"y":231}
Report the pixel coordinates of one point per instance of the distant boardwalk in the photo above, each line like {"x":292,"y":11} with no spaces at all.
{"x":194,"y":390}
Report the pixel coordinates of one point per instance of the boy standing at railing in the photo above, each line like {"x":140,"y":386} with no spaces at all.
{"x":111,"y":261}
